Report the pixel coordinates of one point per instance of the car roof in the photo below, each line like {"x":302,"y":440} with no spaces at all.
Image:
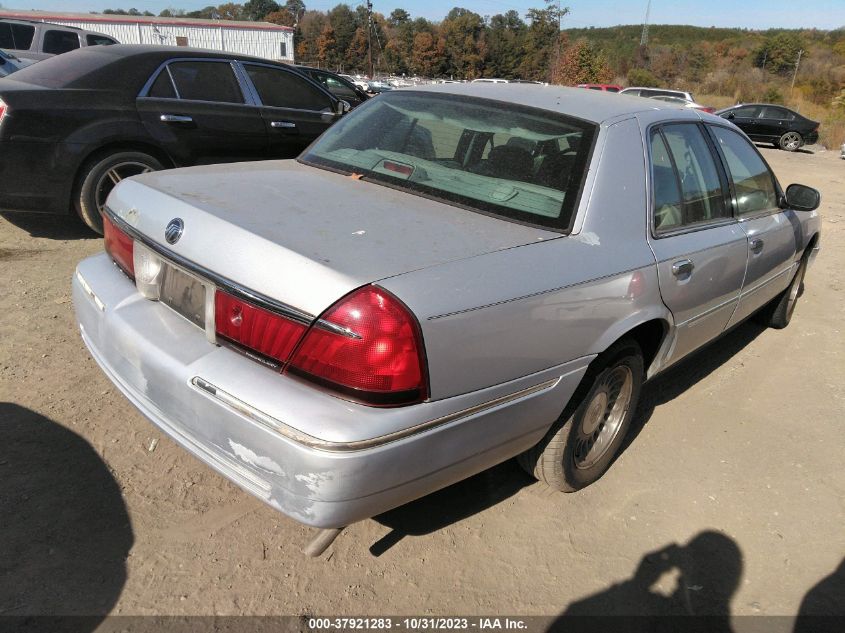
{"x":589,"y":105}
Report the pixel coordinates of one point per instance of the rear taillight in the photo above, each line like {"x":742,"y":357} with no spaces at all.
{"x":368,"y":346}
{"x":120,"y":246}
{"x":267,"y":333}
{"x":4,"y":109}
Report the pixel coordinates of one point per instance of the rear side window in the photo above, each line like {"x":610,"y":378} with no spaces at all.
{"x":612,"y":89}
{"x":206,"y":81}
{"x":781,"y":114}
{"x":162,"y":87}
{"x":282,"y":89}
{"x":697,"y":176}
{"x":668,"y":206}
{"x":754,"y":184}
{"x":16,"y":36}
{"x":58,"y":42}
{"x":98,"y":40}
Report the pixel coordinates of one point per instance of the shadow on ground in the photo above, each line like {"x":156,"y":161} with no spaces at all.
{"x":52,"y":227}
{"x":64,"y":529}
{"x":473,"y":495}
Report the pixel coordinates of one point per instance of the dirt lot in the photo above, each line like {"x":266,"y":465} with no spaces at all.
{"x":736,"y":457}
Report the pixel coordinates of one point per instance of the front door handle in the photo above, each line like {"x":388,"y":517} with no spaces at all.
{"x":682,"y":268}
{"x":756,"y":245}
{"x":175,"y":118}
{"x":283,"y":124}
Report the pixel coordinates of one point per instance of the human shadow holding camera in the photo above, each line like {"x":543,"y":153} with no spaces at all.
{"x":707,"y":572}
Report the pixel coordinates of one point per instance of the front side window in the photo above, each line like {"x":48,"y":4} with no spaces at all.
{"x":489,"y":156}
{"x":206,"y":81}
{"x":16,"y":36}
{"x":697,"y":177}
{"x":754,"y":184}
{"x":58,"y":42}
{"x":282,"y":89}
{"x":745,"y":112}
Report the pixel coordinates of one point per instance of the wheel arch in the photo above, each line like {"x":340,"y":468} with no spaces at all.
{"x":651,"y":332}
{"x":119,"y":146}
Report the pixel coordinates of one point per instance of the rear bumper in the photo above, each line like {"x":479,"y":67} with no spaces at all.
{"x":321,"y":460}
{"x":36,"y":176}
{"x":811,"y":138}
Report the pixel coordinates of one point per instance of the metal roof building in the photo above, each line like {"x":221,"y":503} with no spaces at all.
{"x":260,"y":39}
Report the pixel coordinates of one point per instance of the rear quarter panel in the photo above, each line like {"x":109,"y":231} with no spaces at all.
{"x":492,"y":318}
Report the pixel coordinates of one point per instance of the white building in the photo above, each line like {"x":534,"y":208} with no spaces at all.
{"x":259,"y":39}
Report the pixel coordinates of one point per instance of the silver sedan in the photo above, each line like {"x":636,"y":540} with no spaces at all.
{"x":449,"y":277}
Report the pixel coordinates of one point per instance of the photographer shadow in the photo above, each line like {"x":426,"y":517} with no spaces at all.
{"x":707,"y":572}
{"x":64,"y":529}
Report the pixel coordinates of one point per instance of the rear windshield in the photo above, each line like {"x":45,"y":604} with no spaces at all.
{"x":85,"y":67}
{"x":517,"y":163}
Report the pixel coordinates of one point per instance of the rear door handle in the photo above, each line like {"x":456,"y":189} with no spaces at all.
{"x":682,"y":268}
{"x":175,"y":118}
{"x":283,"y":124}
{"x":756,"y":245}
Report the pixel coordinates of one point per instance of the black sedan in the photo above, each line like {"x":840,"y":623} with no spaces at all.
{"x":73,"y":126}
{"x":767,"y":123}
{"x":337,"y":85}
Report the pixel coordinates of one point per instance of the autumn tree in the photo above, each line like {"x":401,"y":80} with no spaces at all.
{"x":581,"y":63}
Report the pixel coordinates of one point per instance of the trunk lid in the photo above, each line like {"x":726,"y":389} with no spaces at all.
{"x":302,"y":235}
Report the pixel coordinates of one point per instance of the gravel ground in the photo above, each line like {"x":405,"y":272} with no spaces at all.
{"x":734,"y":470}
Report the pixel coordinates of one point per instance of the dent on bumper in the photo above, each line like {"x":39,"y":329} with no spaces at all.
{"x":323,"y":461}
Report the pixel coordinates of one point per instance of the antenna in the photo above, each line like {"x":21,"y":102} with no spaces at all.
{"x":644,"y":38}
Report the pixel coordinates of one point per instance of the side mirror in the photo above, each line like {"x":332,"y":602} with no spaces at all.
{"x":802,"y":198}
{"x":341,"y":107}
{"x":730,"y":115}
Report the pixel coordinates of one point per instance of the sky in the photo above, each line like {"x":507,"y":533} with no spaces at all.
{"x":753,"y":14}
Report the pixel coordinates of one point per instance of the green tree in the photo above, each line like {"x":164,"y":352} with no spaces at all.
{"x":779,"y":53}
{"x":642,"y":77}
{"x":255,"y":10}
{"x":398,"y":17}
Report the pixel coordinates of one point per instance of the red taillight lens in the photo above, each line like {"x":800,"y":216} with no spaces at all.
{"x":120,"y":246}
{"x":3,"y":109}
{"x":379,"y":358}
{"x":269,"y":334}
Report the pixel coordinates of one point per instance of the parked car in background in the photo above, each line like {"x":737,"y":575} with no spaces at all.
{"x":376,"y":87}
{"x":490,"y":80}
{"x":40,"y":40}
{"x":684,"y":103}
{"x":775,"y":124}
{"x":604,"y":87}
{"x":338,"y":85}
{"x":842,"y":151}
{"x":9,"y":63}
{"x":419,"y":297}
{"x":656,"y":92}
{"x":65,"y":140}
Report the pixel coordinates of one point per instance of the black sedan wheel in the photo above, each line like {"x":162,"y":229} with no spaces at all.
{"x":582,"y":444}
{"x":100,"y":176}
{"x":791,"y":141}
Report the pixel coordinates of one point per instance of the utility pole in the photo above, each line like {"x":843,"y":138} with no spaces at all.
{"x":644,"y":37}
{"x":795,"y":74}
{"x":369,"y":37}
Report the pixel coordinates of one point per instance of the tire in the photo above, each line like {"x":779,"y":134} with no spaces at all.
{"x":778,"y":313}
{"x":99,"y":176}
{"x":790,"y":142}
{"x":584,"y":441}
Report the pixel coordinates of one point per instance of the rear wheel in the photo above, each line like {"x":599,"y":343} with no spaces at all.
{"x":581,"y":445}
{"x":779,"y":312}
{"x":100,"y":175}
{"x":791,"y":141}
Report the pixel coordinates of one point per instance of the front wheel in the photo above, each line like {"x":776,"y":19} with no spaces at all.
{"x":100,"y":175}
{"x":581,"y":445}
{"x":791,"y":141}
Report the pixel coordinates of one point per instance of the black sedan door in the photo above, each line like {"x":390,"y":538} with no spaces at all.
{"x":774,"y":122}
{"x":196,"y":110}
{"x":746,"y":118}
{"x":295,"y":109}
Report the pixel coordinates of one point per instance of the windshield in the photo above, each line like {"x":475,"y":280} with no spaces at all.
{"x":518,"y":163}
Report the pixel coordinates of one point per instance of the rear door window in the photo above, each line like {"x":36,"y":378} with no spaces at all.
{"x":754,"y":184}
{"x":162,"y":87}
{"x":780,"y":114}
{"x":703,"y":198}
{"x":280,"y":88}
{"x":58,"y":42}
{"x":206,"y":81}
{"x":16,"y":36}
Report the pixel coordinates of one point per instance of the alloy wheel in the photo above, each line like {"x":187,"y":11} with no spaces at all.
{"x":603,"y":416}
{"x":114,"y":175}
